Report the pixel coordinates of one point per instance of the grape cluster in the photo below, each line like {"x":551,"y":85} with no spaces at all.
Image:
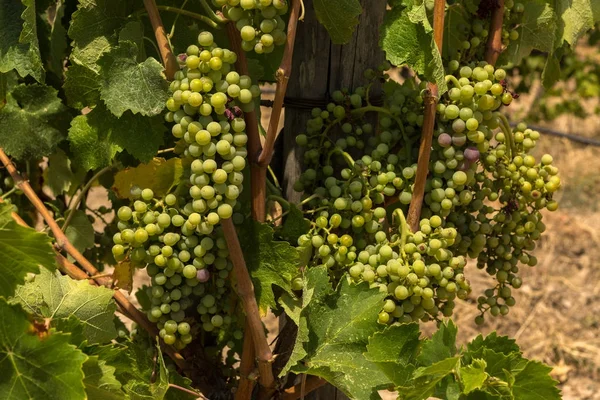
{"x":260,"y":22}
{"x":189,"y":270}
{"x":473,"y":33}
{"x":483,"y":194}
{"x":178,"y":237}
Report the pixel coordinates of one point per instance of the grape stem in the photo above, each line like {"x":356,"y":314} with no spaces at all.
{"x":208,"y":21}
{"x":11,"y":191}
{"x":494,"y":43}
{"x":430,"y":101}
{"x":505,"y":126}
{"x":346,"y":156}
{"x":74,"y":204}
{"x":211,"y":13}
{"x":404,"y":229}
{"x":245,"y":291}
{"x":168,"y":58}
{"x":308,"y":199}
{"x":283,"y":76}
{"x":70,"y":269}
{"x":453,"y":79}
{"x":284,"y":203}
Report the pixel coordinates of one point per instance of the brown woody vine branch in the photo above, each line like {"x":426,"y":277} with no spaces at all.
{"x":430,"y":101}
{"x":69,"y":268}
{"x":494,"y":43}
{"x":246,"y":385}
{"x":296,"y":392}
{"x":168,"y":58}
{"x":245,"y":291}
{"x":283,"y":77}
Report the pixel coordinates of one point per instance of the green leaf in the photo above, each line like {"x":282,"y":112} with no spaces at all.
{"x":98,"y":136}
{"x":315,"y":281}
{"x":425,"y":379}
{"x":294,"y":225}
{"x":100,"y":382}
{"x":270,"y":262}
{"x":58,"y":176}
{"x":6,"y":210}
{"x":82,"y":86}
{"x":339,"y":326}
{"x":576,"y":18}
{"x":93,"y":29}
{"x":536,"y":31}
{"x":339,"y":17}
{"x":407,"y":38}
{"x":23,"y":250}
{"x":133,"y":32}
{"x":127,"y":85}
{"x":19,"y":47}
{"x":394,"y":351}
{"x":442,"y":345}
{"x":80,"y":231}
{"x":473,"y":376}
{"x":35,"y":368}
{"x":34,"y":112}
{"x":499,"y":344}
{"x":533,"y":382}
{"x":51,"y":295}
{"x":159,"y":175}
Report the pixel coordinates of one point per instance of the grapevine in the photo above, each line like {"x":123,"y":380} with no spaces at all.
{"x":267,"y":262}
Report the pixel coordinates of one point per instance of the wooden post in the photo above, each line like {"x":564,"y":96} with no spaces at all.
{"x":320,"y":68}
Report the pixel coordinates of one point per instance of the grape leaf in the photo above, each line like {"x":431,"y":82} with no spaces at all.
{"x":100,"y":382}
{"x":499,"y":344}
{"x":407,"y":38}
{"x":473,"y":376}
{"x":34,"y":112}
{"x":98,"y":136}
{"x":19,"y":47}
{"x":80,"y":231}
{"x":93,"y":29}
{"x":536,"y":31}
{"x":425,"y":379}
{"x":315,"y":281}
{"x":6,"y":210}
{"x":340,"y":324}
{"x":533,"y":382}
{"x":58,"y":176}
{"x":576,"y":18}
{"x":133,"y":32}
{"x":339,"y":17}
{"x":51,"y":295}
{"x":89,"y":143}
{"x":23,"y":250}
{"x":442,"y":345}
{"x":294,"y":225}
{"x":35,"y":368}
{"x":123,"y":276}
{"x":127,"y":85}
{"x":270,"y":262}
{"x":159,"y":175}
{"x":394,"y":350}
{"x":82,"y":86}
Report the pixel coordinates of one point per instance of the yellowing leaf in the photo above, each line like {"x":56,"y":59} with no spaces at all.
{"x":123,"y":276}
{"x":159,"y":175}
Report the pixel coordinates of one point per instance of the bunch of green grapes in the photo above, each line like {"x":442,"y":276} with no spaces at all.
{"x":483,"y":194}
{"x":189,"y":271}
{"x":473,"y":33}
{"x":260,"y":22}
{"x":178,"y":237}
